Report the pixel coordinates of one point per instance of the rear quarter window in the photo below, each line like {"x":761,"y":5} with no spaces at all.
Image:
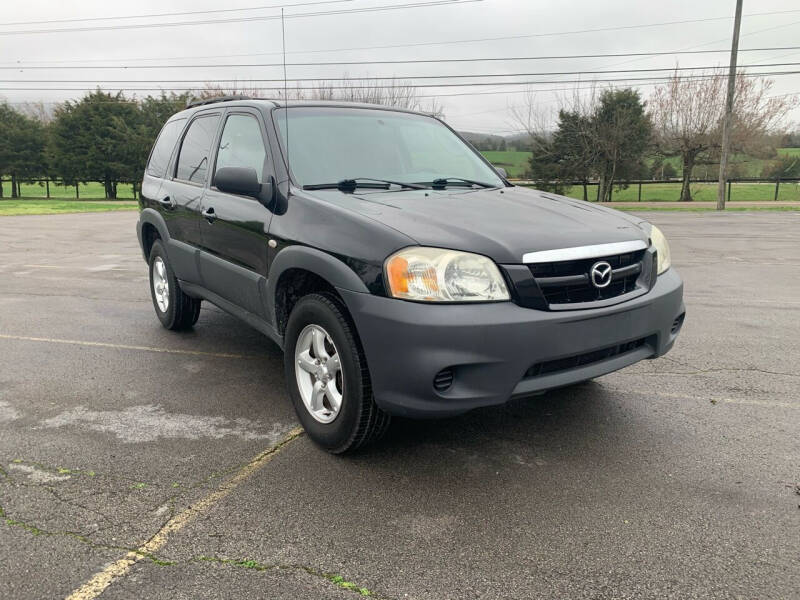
{"x":159,"y":157}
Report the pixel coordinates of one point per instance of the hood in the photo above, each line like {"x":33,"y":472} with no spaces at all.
{"x":502,"y":224}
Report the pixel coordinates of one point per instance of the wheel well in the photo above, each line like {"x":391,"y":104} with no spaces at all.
{"x":292,"y":285}
{"x":149,"y":236}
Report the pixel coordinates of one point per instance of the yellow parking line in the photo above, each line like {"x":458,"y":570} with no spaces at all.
{"x":124,"y":346}
{"x":98,"y":584}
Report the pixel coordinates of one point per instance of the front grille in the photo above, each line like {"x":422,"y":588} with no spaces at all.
{"x":581,"y":360}
{"x":568,"y":282}
{"x":443,"y":380}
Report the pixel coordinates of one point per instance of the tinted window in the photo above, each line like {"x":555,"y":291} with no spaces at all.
{"x":241,"y":144}
{"x":193,"y":158}
{"x":159,"y":158}
{"x":329,"y":144}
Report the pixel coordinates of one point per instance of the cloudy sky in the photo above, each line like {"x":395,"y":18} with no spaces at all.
{"x":93,"y":35}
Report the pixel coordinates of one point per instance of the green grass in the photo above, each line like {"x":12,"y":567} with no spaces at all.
{"x":706,"y":208}
{"x":670,"y":192}
{"x":51,"y":207}
{"x":88,"y":191}
{"x":514,"y":162}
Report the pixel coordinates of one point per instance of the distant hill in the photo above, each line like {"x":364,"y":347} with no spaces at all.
{"x":490,"y":141}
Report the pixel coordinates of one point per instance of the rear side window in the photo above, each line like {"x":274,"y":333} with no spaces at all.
{"x":159,"y":158}
{"x":193,"y":157}
{"x":241,"y":145}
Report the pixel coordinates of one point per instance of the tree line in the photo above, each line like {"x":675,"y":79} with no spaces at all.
{"x":102,"y":137}
{"x":107,"y":137}
{"x":610,"y":135}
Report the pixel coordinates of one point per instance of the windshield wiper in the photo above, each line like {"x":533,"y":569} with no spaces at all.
{"x":349,"y":185}
{"x":443,"y":182}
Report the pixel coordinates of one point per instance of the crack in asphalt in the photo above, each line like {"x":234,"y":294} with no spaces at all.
{"x":698,"y":371}
{"x":36,"y":531}
{"x":334,"y":578}
{"x":95,"y":586}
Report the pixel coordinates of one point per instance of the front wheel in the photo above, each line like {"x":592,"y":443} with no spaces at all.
{"x":327,"y":376}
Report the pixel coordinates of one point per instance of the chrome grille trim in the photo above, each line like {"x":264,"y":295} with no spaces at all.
{"x":581,"y":252}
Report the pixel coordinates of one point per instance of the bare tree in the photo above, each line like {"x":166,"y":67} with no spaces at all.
{"x":37,"y":110}
{"x":387,"y":92}
{"x":687,"y":114}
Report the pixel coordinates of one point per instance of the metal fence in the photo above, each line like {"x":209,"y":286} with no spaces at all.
{"x":774,"y":186}
{"x":126,"y":190}
{"x":53,"y":188}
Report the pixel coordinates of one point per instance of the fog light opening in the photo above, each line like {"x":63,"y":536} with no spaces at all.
{"x":677,"y":323}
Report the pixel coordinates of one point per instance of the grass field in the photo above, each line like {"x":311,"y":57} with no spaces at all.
{"x":516,"y":163}
{"x":706,"y":208}
{"x":669,"y":192}
{"x":91,"y":190}
{"x":51,"y":207}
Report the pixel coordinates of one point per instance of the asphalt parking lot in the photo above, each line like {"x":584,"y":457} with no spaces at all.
{"x":140,"y":463}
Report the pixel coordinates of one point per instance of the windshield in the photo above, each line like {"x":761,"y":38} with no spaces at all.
{"x":329,"y":144}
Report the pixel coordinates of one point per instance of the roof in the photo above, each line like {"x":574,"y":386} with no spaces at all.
{"x":247,"y":101}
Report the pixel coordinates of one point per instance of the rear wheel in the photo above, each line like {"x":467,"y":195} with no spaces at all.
{"x":174,"y":309}
{"x":327,"y":376}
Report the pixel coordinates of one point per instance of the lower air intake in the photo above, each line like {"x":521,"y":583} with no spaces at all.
{"x":443,"y":380}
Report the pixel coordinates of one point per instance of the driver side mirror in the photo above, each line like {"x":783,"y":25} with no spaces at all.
{"x":238,"y":180}
{"x":244,"y":182}
{"x":502,"y":172}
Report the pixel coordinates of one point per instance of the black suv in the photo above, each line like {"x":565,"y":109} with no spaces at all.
{"x":399,"y":271}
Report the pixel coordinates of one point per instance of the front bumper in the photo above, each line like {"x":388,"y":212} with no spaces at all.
{"x":491,"y":348}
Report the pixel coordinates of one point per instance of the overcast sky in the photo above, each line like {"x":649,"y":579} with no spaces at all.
{"x":414,"y":33}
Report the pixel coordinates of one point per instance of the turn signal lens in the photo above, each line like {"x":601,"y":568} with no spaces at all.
{"x":439,"y":275}
{"x":662,"y":249}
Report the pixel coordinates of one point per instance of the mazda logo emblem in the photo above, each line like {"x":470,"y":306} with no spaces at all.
{"x":600,"y":274}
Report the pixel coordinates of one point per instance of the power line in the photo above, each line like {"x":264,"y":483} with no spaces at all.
{"x":383,"y":62}
{"x":398,"y":78}
{"x":524,"y":36}
{"x":21,"y":65}
{"x":368,"y":9}
{"x":172,"y":14}
{"x":417,"y":86}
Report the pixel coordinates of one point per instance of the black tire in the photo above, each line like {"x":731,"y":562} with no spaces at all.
{"x":182,"y":311}
{"x":360,"y":420}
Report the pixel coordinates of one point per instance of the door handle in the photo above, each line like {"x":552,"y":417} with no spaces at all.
{"x":167,"y":202}
{"x":209,"y":214}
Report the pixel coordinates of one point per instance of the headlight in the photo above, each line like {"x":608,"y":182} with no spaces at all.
{"x":438,"y":275}
{"x":662,"y":249}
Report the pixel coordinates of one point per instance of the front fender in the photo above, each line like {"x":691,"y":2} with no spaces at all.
{"x":330,"y":268}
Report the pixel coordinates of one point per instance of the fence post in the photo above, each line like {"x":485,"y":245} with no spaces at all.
{"x":729,"y":189}
{"x":47,"y":187}
{"x":610,"y":193}
{"x":640,"y":191}
{"x":777,"y":187}
{"x":77,"y":193}
{"x":134,"y":190}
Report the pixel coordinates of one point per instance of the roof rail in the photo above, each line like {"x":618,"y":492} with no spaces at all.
{"x":201,"y":101}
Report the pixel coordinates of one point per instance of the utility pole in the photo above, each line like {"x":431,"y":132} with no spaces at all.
{"x":726,"y":123}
